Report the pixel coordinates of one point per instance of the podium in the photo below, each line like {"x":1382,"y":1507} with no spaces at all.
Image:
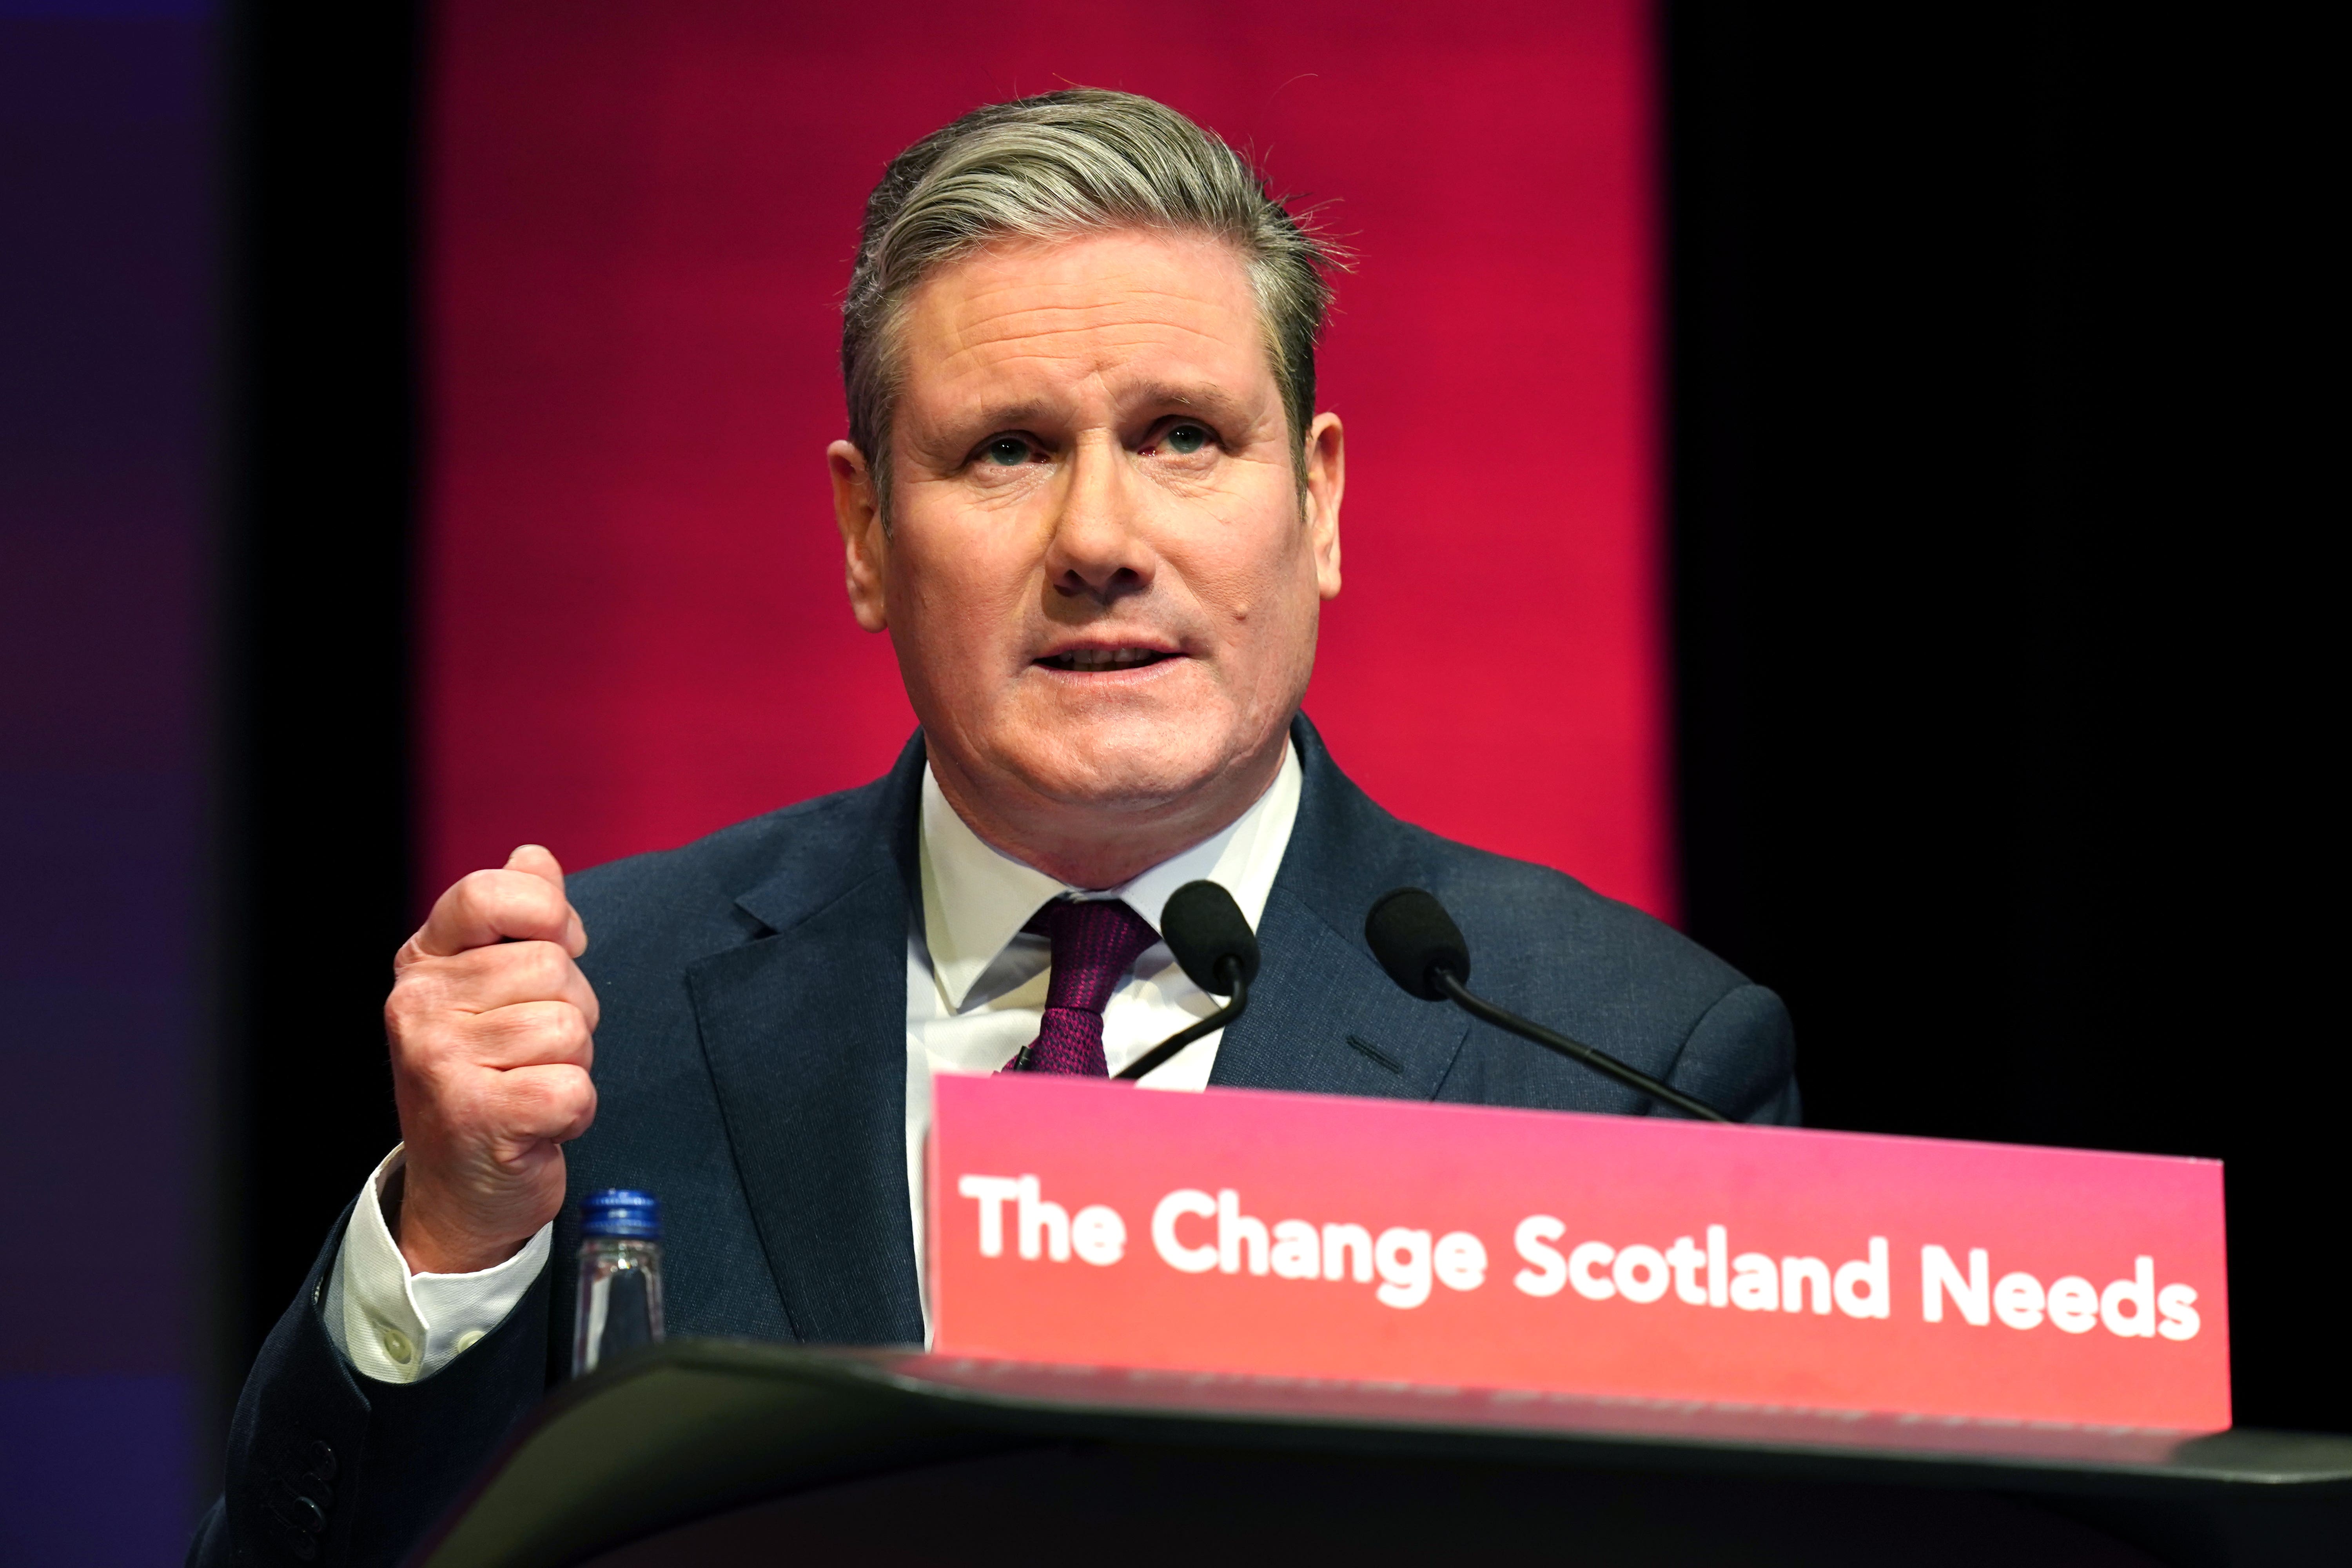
{"x":719,"y":1453}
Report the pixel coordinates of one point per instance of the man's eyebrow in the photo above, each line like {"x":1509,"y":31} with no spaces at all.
{"x":1001,"y":416}
{"x":1206,"y":397}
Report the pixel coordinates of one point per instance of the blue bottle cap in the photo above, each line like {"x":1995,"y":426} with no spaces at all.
{"x":619,"y":1212}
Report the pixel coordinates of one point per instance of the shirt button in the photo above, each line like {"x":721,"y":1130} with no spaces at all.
{"x":396,"y":1346}
{"x":467,"y":1340}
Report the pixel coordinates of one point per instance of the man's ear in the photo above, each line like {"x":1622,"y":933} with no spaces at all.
{"x":864,"y":544}
{"x":1325,"y":462}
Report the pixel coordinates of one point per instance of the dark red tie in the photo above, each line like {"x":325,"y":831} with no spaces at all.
{"x":1095,"y":943}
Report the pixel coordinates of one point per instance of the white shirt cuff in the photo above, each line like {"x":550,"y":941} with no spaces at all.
{"x":399,"y":1327}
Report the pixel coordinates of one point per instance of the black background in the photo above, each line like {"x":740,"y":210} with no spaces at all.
{"x":1995,"y":617}
{"x":316,"y":585}
{"x":1998,"y":620}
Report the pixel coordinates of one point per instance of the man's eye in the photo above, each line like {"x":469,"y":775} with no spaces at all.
{"x":1186,"y":440}
{"x":1007,"y":451}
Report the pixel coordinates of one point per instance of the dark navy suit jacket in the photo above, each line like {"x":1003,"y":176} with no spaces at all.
{"x":750,"y":1068}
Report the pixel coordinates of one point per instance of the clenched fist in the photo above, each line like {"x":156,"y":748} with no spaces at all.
{"x":493,"y":1029}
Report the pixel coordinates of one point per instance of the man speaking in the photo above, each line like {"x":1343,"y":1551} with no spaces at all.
{"x":1087,"y":492}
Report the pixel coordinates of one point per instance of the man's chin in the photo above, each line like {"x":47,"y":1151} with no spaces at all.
{"x":1129,"y":781}
{"x":1127,"y":766}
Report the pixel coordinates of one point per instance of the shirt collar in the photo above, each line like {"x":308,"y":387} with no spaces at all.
{"x":976,"y":898}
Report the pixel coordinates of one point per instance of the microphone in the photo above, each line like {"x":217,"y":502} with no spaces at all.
{"x":1211,"y":939}
{"x":1421,"y":948}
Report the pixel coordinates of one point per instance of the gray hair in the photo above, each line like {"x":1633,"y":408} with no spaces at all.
{"x":1064,"y":163}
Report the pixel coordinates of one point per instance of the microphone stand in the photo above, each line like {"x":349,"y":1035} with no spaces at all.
{"x":1598,"y":1061}
{"x":1235,"y":985}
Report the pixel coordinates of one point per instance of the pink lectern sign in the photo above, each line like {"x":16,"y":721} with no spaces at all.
{"x":1308,"y":1235}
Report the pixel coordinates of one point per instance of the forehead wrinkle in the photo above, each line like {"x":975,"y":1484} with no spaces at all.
{"x":1090,"y":350}
{"x":1203,"y":323}
{"x":1112,"y":335}
{"x":974,"y":312}
{"x":1138,"y":267}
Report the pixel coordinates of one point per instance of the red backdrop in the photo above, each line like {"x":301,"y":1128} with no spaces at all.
{"x":641,"y":218}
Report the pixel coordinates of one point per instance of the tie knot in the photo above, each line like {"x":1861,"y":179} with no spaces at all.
{"x":1096,"y":943}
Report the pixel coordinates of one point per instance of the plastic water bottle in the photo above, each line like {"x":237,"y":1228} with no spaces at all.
{"x":620,"y":1300}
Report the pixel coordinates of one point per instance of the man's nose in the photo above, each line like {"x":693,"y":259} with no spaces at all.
{"x":1098,"y":550}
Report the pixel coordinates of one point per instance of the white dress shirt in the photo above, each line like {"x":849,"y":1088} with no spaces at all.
{"x":975,"y":990}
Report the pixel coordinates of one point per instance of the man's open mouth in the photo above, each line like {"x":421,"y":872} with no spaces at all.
{"x":1093,"y":660}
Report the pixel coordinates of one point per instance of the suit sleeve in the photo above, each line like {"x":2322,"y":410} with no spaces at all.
{"x":431,"y":1318}
{"x":1742,"y":1058}
{"x":328,"y":1468}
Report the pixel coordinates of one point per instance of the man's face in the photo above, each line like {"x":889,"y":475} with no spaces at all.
{"x":1100,"y":579}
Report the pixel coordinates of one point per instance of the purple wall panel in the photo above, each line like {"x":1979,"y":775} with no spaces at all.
{"x":107,"y":326}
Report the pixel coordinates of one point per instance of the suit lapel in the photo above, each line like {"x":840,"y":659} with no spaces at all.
{"x":1323,"y":1016}
{"x":804,"y":1030}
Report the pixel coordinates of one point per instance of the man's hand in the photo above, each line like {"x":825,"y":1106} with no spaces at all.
{"x":492,"y":1028}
